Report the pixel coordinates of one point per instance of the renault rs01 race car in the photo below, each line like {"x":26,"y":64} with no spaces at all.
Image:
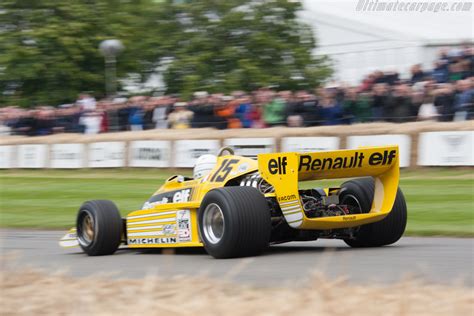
{"x":237,"y":206}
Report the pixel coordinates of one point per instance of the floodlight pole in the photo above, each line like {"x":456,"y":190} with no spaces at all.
{"x":110,"y":49}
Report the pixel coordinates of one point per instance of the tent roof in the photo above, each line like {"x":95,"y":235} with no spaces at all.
{"x":337,"y":23}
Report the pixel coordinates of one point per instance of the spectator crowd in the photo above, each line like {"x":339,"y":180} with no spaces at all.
{"x":443,"y":93}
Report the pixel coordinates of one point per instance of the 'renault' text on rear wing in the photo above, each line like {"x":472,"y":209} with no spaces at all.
{"x":284,"y":170}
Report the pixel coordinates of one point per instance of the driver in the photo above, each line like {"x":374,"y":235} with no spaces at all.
{"x":204,"y":165}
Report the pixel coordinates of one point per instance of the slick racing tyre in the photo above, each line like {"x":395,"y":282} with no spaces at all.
{"x":234,"y":222}
{"x":99,"y":227}
{"x":358,"y":195}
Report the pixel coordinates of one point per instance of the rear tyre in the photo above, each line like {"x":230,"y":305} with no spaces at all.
{"x":99,"y":227}
{"x":234,"y":222}
{"x":359,"y":194}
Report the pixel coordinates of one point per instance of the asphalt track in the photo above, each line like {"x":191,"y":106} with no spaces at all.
{"x":435,"y":260}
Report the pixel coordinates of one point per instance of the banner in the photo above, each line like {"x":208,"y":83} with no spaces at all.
{"x":67,"y":156}
{"x":446,"y":149}
{"x":32,"y":156}
{"x":251,"y":147}
{"x":150,"y":153}
{"x":107,"y":155}
{"x":309,"y":144}
{"x":6,"y":157}
{"x":187,"y":151}
{"x":403,"y":142}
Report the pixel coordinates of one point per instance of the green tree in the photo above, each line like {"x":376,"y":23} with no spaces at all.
{"x":48,"y":48}
{"x":230,"y":45}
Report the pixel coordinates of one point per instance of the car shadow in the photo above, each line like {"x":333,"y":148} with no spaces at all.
{"x":276,"y":249}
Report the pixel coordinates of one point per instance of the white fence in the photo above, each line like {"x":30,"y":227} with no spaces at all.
{"x":434,"y":149}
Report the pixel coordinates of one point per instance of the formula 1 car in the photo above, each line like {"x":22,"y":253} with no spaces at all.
{"x":243,"y":205}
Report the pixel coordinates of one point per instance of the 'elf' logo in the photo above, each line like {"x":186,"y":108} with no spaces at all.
{"x":182,"y":196}
{"x":277,"y":165}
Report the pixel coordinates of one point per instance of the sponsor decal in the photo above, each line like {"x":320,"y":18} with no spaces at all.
{"x":65,"y":155}
{"x":183,"y":195}
{"x":183,"y":219}
{"x":204,"y":179}
{"x":198,"y":152}
{"x":277,"y":166}
{"x":287,"y":198}
{"x":243,"y":167}
{"x":169,"y":229}
{"x":147,"y":153}
{"x":151,"y":241}
{"x":349,"y":218}
{"x":250,"y":151}
{"x":149,"y":205}
{"x":225,"y":168}
{"x":102,"y":154}
{"x":307,"y":163}
{"x":454,"y":142}
{"x":70,"y":236}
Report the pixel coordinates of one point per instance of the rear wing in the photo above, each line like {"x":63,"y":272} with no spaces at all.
{"x":284,"y":170}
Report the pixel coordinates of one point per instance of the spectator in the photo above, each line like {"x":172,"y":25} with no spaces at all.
{"x":180,"y":117}
{"x":464,"y":100}
{"x":417,"y":94}
{"x":160,"y":112}
{"x":256,"y":116}
{"x":444,"y":102}
{"x":391,"y":77}
{"x":427,"y":111}
{"x":363,"y":110}
{"x":203,"y":110}
{"x":349,"y":105}
{"x":440,"y":72}
{"x":112,"y":108}
{"x":23,"y":123}
{"x":148,"y":109}
{"x":104,"y":122}
{"x":303,"y":110}
{"x":225,"y":113}
{"x":331,"y":111}
{"x":442,"y":93}
{"x":380,"y":101}
{"x":136,"y":113}
{"x":67,"y":119}
{"x":123,"y":114}
{"x":91,"y":120}
{"x":244,"y":111}
{"x":455,"y":72}
{"x":417,"y":74}
{"x":86,"y":102}
{"x":43,"y":123}
{"x":274,"y":110}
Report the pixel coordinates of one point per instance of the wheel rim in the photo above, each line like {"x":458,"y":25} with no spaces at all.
{"x":354,"y":207}
{"x":87,"y":229}
{"x":353,"y":204}
{"x":213,"y":223}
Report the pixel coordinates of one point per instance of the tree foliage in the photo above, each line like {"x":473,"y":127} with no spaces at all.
{"x":48,"y":48}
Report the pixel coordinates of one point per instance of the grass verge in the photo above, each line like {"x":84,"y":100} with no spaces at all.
{"x":440,"y":201}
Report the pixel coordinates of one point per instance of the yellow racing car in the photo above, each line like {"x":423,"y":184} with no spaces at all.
{"x":237,"y":206}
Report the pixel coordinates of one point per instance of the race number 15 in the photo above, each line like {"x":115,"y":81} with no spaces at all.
{"x":223,"y":170}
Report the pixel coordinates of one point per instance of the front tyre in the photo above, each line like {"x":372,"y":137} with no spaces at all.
{"x":234,"y":222}
{"x":358,"y":194}
{"x":99,"y":227}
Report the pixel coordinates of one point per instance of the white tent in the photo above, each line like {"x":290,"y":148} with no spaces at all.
{"x":359,"y":42}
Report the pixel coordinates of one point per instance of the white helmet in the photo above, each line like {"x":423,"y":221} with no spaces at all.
{"x":204,"y":165}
